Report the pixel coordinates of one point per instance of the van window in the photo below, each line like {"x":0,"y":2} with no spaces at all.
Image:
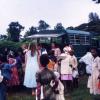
{"x":77,"y":39}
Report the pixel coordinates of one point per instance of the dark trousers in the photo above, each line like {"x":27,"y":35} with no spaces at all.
{"x":68,"y":86}
{"x":2,"y":91}
{"x":75,"y":82}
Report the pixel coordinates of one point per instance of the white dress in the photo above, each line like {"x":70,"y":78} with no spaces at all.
{"x":30,"y":71}
{"x":93,"y":80}
{"x":87,"y":59}
{"x":60,"y":88}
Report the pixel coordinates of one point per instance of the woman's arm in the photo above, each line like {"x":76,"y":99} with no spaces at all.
{"x":75,"y":63}
{"x":38,"y":59}
{"x":14,"y":63}
{"x":25,"y":61}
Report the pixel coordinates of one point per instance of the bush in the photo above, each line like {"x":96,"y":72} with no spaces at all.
{"x":14,"y":46}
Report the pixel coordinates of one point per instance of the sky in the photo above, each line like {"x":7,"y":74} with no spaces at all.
{"x":29,"y":12}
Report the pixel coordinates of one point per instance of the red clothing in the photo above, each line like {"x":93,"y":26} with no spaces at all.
{"x":14,"y":75}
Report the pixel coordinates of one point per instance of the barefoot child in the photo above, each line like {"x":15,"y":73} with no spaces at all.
{"x":59,"y":88}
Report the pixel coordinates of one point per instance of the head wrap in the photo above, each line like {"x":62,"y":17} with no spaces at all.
{"x":67,"y":49}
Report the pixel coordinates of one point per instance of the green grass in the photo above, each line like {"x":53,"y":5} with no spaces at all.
{"x":81,"y":93}
{"x":20,"y":96}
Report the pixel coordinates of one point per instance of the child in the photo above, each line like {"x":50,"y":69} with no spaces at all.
{"x":59,"y":88}
{"x":52,"y":60}
{"x":74,"y":64}
{"x":75,"y":78}
{"x":44,"y":78}
{"x":5,"y":75}
{"x":66,"y":70}
{"x":14,"y":76}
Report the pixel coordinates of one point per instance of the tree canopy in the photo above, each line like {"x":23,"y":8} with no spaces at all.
{"x":97,"y":1}
{"x":93,"y":25}
{"x":59,"y":26}
{"x":14,"y":31}
{"x":43,"y":25}
{"x":32,"y":30}
{"x":93,"y":17}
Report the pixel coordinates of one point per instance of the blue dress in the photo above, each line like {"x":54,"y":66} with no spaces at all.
{"x":6,"y":73}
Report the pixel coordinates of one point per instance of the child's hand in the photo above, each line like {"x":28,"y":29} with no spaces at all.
{"x":1,"y":78}
{"x":52,"y":83}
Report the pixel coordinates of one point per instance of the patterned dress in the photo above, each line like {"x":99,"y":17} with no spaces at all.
{"x":14,"y":75}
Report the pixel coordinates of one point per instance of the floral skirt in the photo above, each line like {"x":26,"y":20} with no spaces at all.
{"x":14,"y":77}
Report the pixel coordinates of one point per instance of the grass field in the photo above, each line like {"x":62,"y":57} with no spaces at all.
{"x":81,"y":93}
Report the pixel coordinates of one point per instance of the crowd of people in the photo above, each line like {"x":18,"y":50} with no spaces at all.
{"x":49,"y":73}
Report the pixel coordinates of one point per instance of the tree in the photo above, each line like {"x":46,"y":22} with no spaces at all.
{"x":94,"y":23}
{"x":31,"y":31}
{"x":14,"y":31}
{"x":70,"y":27}
{"x":3,"y":37}
{"x":59,"y":27}
{"x":43,"y":25}
{"x":82,"y":27}
{"x":93,"y":17}
{"x":92,"y":26}
{"x":97,"y":1}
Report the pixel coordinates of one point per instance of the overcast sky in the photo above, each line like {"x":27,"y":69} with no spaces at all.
{"x":29,"y":12}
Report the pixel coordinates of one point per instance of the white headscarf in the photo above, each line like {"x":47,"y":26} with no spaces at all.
{"x":67,"y":49}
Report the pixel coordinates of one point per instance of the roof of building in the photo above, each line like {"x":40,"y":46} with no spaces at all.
{"x":47,"y":34}
{"x":56,"y":33}
{"x":77,"y":32}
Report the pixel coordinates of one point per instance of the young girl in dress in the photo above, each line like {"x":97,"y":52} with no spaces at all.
{"x":31,"y":67}
{"x":14,"y":76}
{"x":59,"y":88}
{"x":74,"y":64}
{"x":66,"y":69}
